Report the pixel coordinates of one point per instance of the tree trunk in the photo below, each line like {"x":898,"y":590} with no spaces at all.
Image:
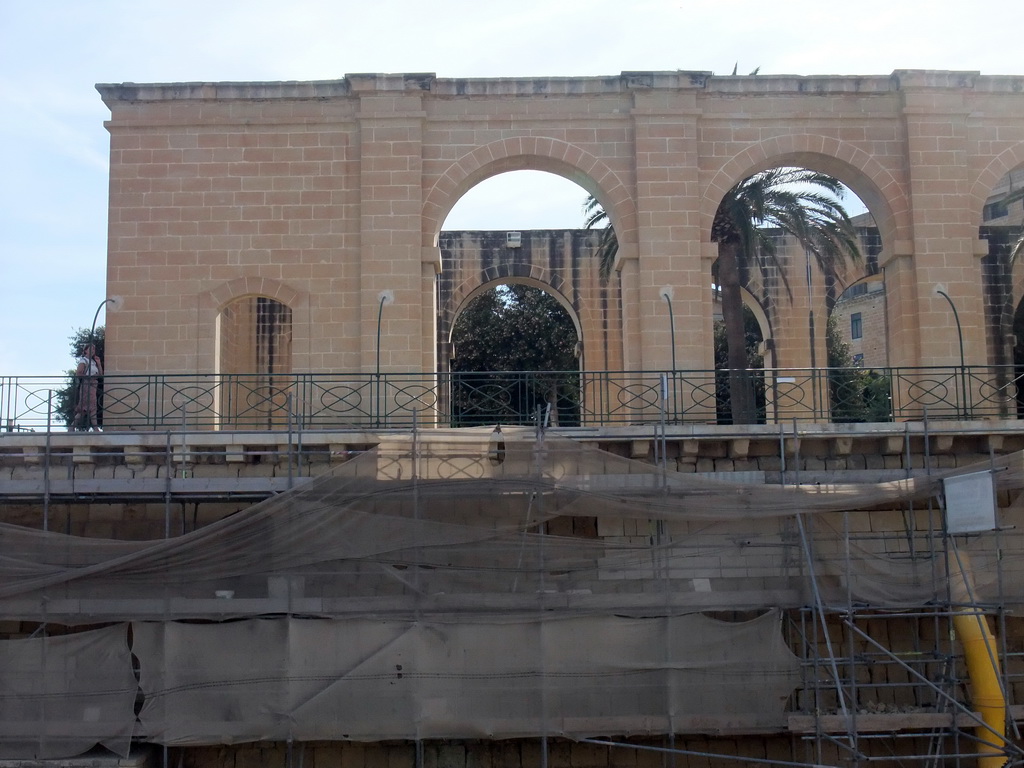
{"x":741,"y":385}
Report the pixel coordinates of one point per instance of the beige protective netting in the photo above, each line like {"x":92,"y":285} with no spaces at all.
{"x":459,"y":528}
{"x":372,"y":680}
{"x":61,"y":695}
{"x":500,"y":577}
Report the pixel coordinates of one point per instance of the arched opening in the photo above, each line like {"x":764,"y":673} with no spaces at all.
{"x":1002,"y":227}
{"x":515,"y":354}
{"x":254,"y":356}
{"x":792,"y":238}
{"x":515,"y":240}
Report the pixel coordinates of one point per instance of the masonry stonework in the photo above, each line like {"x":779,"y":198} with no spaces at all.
{"x":333,"y":194}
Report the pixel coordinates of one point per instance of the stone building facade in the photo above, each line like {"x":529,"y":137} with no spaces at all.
{"x":328,"y":199}
{"x":860,"y":321}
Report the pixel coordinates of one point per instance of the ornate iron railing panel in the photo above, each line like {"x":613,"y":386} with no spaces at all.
{"x":311,"y":401}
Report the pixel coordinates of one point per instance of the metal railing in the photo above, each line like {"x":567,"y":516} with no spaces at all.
{"x":313,"y":401}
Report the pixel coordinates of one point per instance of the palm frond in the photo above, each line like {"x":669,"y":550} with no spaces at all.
{"x":608,"y":245}
{"x":592,"y":209}
{"x":804,"y":204}
{"x":1018,"y":247}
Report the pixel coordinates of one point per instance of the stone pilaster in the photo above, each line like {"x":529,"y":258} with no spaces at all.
{"x":668,"y":205}
{"x":390,"y":120}
{"x":935,"y":113}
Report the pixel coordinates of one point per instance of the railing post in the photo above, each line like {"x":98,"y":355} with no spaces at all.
{"x":968,"y":406}
{"x":291,"y":449}
{"x":150,"y":383}
{"x":46,"y":463}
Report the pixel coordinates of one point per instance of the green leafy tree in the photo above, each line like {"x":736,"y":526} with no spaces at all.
{"x":64,"y":399}
{"x":803,"y":204}
{"x":515,"y":350}
{"x":855,"y":394}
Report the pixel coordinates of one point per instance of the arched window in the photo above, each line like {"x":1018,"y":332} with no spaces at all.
{"x":255,"y":356}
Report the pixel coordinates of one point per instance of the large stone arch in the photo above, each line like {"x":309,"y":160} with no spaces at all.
{"x":1001,"y":310}
{"x":875,"y":184}
{"x":1008,"y":160}
{"x":531,"y":153}
{"x":250,"y":285}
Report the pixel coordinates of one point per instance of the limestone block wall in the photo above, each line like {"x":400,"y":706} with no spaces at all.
{"x":870,"y":345}
{"x":330,"y":196}
{"x":220,"y":201}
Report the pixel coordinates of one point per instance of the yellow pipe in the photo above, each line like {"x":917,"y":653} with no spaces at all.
{"x":980,"y":655}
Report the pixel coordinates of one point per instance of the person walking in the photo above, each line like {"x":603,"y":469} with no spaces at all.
{"x":87,"y":382}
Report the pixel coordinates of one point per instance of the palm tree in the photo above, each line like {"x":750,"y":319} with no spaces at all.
{"x":801,"y":203}
{"x":798,"y":202}
{"x":608,"y":245}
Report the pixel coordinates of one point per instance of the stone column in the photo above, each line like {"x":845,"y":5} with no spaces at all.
{"x":390,"y":121}
{"x":632,"y":332}
{"x":904,"y":338}
{"x":944,"y":238}
{"x":935,"y":114}
{"x":672,"y":287}
{"x":668,"y":233}
{"x":390,"y":203}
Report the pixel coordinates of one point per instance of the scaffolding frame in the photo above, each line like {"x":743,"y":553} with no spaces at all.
{"x":935,"y":671}
{"x":834,"y":668}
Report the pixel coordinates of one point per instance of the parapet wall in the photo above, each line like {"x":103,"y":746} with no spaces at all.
{"x":121,"y":485}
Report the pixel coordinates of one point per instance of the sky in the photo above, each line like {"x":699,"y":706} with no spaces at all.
{"x":53,"y":188}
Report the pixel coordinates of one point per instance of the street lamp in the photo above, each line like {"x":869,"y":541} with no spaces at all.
{"x":960,"y":337}
{"x":666,"y":294}
{"x":386,"y":297}
{"x":114,"y":300}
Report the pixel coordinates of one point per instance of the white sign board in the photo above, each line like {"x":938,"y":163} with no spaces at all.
{"x":970,"y":503}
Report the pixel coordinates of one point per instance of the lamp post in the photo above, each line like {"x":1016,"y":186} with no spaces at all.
{"x":666,"y":294}
{"x":95,"y":317}
{"x":960,"y":337}
{"x":386,"y":297}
